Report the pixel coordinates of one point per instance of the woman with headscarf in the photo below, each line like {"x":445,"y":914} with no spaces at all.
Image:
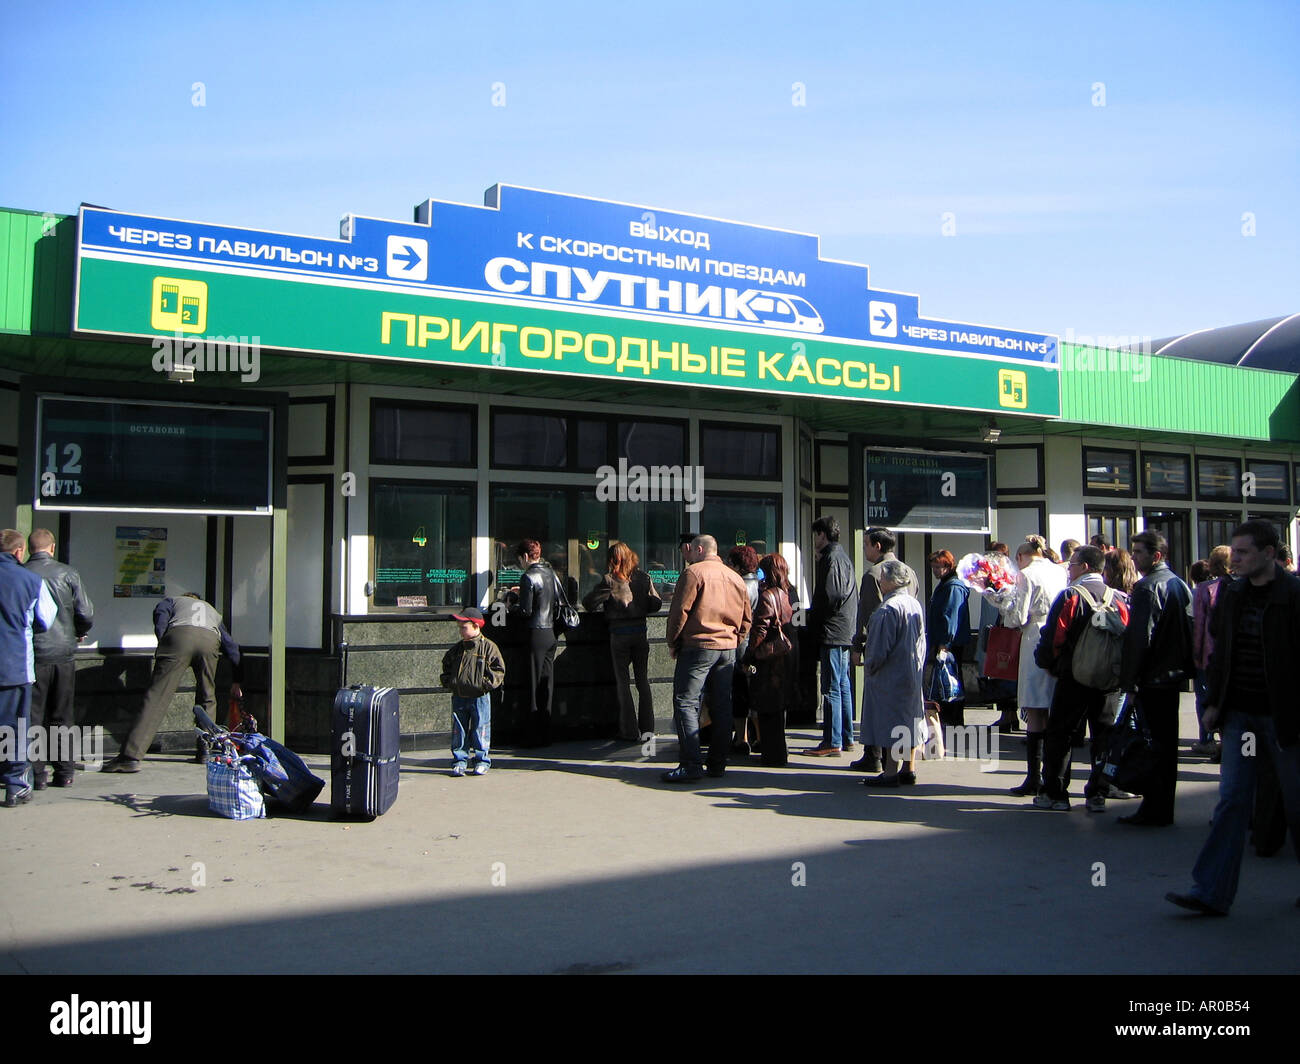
{"x":626,"y":595}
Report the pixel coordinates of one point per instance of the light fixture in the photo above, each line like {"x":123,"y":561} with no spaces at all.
{"x":991,"y":432}
{"x":181,"y":374}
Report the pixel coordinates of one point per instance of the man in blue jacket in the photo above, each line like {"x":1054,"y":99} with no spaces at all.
{"x":25,"y":605}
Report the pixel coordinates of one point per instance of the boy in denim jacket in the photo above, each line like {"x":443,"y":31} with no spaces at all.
{"x":472,"y":669}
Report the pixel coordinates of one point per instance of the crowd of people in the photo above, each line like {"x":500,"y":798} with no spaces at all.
{"x":1101,"y":631}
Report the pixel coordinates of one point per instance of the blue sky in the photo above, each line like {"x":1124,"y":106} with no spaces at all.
{"x":864,"y":123}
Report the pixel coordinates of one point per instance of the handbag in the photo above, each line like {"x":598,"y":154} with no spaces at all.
{"x":567,"y":614}
{"x":777,"y":644}
{"x":1002,"y":655}
{"x":1131,"y":754}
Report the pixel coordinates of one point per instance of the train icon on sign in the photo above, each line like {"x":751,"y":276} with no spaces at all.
{"x":789,"y":312}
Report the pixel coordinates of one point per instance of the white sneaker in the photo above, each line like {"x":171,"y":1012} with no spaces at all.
{"x":1042,"y":801}
{"x":1097,"y":803}
{"x":458,"y":769}
{"x":480,"y":769}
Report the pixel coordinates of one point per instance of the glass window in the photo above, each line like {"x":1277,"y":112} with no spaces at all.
{"x":1214,"y":530}
{"x":737,"y":520}
{"x":592,"y":541}
{"x":1270,"y":481}
{"x":832,"y":467}
{"x":1218,"y":478}
{"x":593,"y":444}
{"x":1117,"y":527}
{"x":728,"y":451}
{"x":1166,"y":476}
{"x":423,"y":537}
{"x":651,"y":443}
{"x":1108,"y":472}
{"x":653,"y":530}
{"x":805,"y":460}
{"x":403,"y":433}
{"x":529,"y":441}
{"x":528,"y":513}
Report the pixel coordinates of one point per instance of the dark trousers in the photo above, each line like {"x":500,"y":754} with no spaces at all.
{"x":1159,"y":707}
{"x":15,"y":704}
{"x":182,"y":647}
{"x":542,"y":674}
{"x":632,"y":648}
{"x":1072,"y":704}
{"x":52,"y":707}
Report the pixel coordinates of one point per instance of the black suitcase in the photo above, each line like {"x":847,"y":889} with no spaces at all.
{"x":364,"y":761}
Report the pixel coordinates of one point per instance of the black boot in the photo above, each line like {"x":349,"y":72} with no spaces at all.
{"x":1034,"y":764}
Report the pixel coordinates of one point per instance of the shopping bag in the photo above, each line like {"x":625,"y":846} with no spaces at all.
{"x":1002,"y":655}
{"x":233,"y":791}
{"x":1131,"y":753}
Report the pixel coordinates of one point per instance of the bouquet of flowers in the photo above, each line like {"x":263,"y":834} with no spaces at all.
{"x":988,"y":572}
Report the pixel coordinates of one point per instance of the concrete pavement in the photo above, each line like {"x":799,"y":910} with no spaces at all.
{"x":582,"y":861}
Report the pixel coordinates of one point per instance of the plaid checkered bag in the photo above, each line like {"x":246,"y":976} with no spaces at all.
{"x":233,"y":791}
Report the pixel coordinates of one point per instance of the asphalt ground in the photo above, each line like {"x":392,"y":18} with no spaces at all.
{"x":582,"y":861}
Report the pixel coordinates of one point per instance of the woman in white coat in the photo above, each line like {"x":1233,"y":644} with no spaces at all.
{"x":1026,"y":608}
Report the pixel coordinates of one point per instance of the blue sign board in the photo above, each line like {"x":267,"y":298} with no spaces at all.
{"x":557,"y":250}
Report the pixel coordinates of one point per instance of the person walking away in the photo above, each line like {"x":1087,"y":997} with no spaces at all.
{"x":1205,"y":596}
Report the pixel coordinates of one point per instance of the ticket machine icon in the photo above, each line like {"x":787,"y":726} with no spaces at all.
{"x":1013,"y":388}
{"x":179,"y":305}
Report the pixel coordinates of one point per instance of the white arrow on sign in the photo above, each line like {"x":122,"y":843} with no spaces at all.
{"x":408,"y":258}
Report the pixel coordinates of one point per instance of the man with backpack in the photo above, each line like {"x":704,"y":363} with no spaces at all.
{"x":1081,"y":645}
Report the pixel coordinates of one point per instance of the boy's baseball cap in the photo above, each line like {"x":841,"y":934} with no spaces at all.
{"x":472,"y":614}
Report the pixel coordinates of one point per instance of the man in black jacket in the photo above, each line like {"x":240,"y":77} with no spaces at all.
{"x":53,"y":652}
{"x":1156,"y":664}
{"x":832,"y":618}
{"x":1252,"y":699}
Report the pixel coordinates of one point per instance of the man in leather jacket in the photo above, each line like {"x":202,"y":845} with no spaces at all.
{"x":54,"y":651}
{"x":1156,"y":663}
{"x":535,"y":601}
{"x":832,"y":618}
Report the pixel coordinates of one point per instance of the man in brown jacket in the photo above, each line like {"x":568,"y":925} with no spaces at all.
{"x":709,"y":616}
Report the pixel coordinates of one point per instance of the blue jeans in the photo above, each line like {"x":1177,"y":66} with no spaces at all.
{"x":1218,"y":867}
{"x":837,"y":697}
{"x":1201,"y":689}
{"x":15,"y":705}
{"x":699,"y":670}
{"x":471,"y":718}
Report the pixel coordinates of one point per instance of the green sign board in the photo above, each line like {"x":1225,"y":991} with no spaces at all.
{"x":134,"y":298}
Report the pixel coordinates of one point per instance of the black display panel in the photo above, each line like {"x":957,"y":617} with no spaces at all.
{"x":109,"y":454}
{"x":926,"y":491}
